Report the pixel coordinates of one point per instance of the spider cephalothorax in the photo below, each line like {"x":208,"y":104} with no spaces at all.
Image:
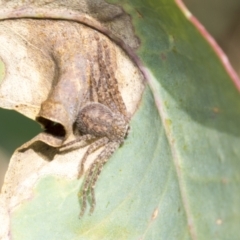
{"x":103,"y":121}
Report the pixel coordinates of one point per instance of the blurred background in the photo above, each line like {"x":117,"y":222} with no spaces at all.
{"x":220,"y":17}
{"x":222,"y":20}
{"x":15,"y":129}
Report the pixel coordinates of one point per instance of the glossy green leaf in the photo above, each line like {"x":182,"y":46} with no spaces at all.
{"x":177,"y":174}
{"x":199,"y":107}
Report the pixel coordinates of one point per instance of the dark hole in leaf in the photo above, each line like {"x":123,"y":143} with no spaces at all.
{"x":51,"y":127}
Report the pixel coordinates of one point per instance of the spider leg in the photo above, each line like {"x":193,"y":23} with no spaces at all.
{"x":91,"y":176}
{"x":93,"y":82}
{"x":105,"y":155}
{"x":86,"y":137}
{"x":83,"y":193}
{"x":92,"y":148}
{"x":104,"y":96}
{"x":112,"y":83}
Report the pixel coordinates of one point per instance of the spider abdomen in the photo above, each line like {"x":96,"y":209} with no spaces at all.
{"x":98,"y":120}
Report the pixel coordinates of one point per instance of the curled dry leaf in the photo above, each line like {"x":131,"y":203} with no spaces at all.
{"x":47,"y":78}
{"x":3,"y":164}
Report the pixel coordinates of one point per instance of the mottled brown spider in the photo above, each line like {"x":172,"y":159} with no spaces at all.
{"x":104,"y":121}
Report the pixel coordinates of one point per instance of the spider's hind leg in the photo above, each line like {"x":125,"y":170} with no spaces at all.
{"x":107,"y":153}
{"x":83,"y":193}
{"x":92,"y":148}
{"x":93,"y":174}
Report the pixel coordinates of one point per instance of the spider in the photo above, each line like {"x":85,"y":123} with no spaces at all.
{"x":104,"y":121}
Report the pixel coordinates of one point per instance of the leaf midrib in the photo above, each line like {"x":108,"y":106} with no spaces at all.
{"x":153,"y":84}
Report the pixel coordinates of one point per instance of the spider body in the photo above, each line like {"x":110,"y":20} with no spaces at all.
{"x":103,"y":122}
{"x":98,"y":120}
{"x":97,"y":123}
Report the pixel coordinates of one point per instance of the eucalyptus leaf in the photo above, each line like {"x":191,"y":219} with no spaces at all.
{"x":177,"y":174}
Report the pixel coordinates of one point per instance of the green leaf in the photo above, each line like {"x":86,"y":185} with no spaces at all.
{"x":177,"y":174}
{"x":199,"y":106}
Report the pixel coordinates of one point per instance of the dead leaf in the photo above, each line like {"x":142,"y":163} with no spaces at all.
{"x":47,"y":78}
